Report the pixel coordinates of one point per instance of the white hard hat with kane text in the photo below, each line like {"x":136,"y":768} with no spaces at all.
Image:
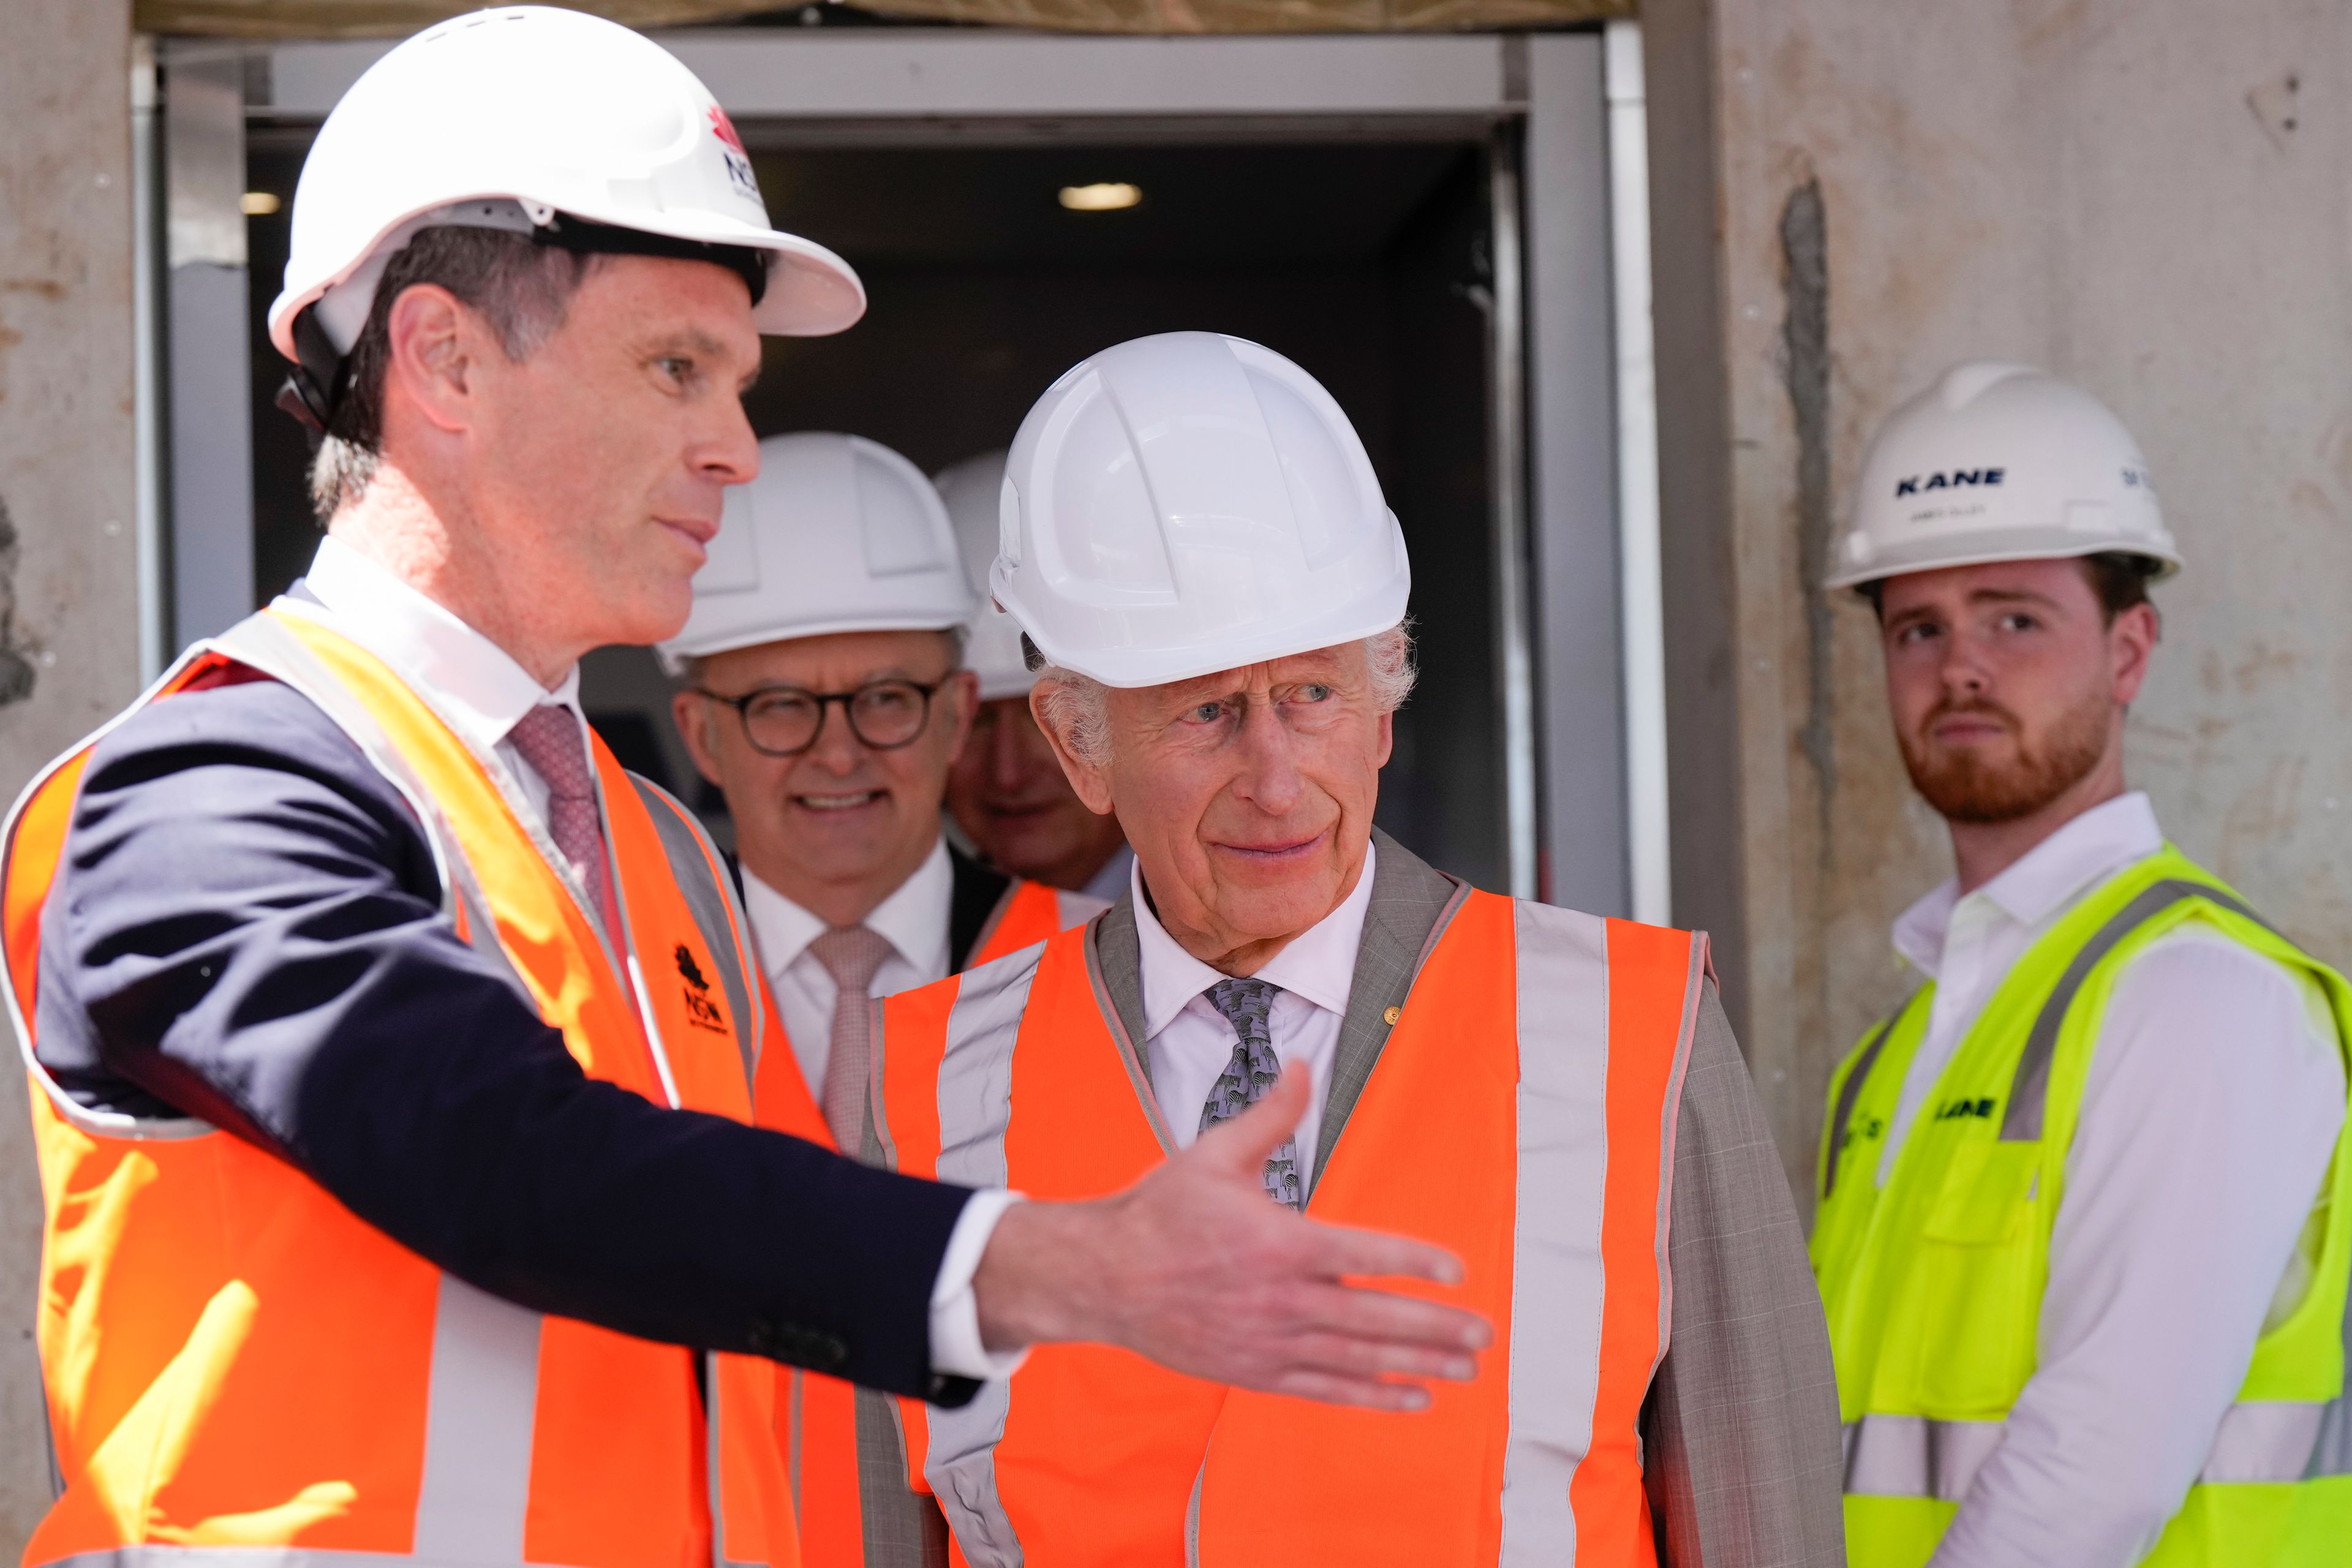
{"x":2000,"y":462}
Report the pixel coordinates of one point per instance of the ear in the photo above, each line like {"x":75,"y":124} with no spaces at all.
{"x":1387,"y":743}
{"x":1090,"y":783}
{"x":691,"y":713}
{"x":961,"y":701}
{"x":2131,"y":646}
{"x":435,"y":347}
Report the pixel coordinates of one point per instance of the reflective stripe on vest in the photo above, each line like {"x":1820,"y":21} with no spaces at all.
{"x":1878,"y":1261}
{"x":1557,"y":1036}
{"x":1916,"y":1456}
{"x":231,"y":1354}
{"x":853,"y":1454}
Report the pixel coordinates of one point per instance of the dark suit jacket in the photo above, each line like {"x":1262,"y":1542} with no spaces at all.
{"x":247,"y":928}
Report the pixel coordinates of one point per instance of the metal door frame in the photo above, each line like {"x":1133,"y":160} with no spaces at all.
{"x":1540,"y":97}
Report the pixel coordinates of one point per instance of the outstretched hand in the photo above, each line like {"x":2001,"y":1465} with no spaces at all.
{"x":1197,"y":1268}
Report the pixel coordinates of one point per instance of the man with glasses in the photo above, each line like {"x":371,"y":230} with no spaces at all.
{"x":824,"y":695}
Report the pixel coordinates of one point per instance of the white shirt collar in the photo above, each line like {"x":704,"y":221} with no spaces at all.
{"x":913,"y":920}
{"x":474,"y":683}
{"x":2044,"y":880}
{"x":1319,"y":963}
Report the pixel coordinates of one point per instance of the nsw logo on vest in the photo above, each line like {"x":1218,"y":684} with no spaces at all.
{"x":700,"y":1010}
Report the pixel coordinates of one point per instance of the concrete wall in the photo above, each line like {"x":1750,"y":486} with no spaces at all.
{"x":2150,"y":196}
{"x":69,"y":590}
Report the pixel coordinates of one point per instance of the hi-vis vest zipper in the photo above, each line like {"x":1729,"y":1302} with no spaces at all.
{"x":234,"y":1361}
{"x":1932,"y":1282}
{"x":832,"y":1432}
{"x":1520,"y":1114}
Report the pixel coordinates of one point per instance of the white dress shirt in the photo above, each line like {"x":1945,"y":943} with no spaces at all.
{"x":481,"y":692}
{"x":1187,"y":1042}
{"x":2214,"y":1098}
{"x":913,"y":920}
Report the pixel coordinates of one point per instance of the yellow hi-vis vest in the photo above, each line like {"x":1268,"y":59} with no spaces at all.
{"x":1932,"y":1282}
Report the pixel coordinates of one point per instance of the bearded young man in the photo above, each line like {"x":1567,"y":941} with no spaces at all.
{"x":2084,"y":1202}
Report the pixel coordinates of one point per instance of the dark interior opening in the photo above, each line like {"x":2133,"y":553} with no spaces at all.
{"x":1365,"y":261}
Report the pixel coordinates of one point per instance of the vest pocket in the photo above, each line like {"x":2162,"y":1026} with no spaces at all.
{"x":1975,"y":1289}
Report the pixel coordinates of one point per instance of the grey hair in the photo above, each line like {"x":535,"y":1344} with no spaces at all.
{"x":1078,"y":706}
{"x":521,"y":288}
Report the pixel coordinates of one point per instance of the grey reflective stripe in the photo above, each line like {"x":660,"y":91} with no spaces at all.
{"x":701,"y":878}
{"x":479,"y":1413}
{"x":1912,"y":1455}
{"x":1192,"y":1520}
{"x":1850,"y":1090}
{"x":2029,"y":1090}
{"x":1562,"y":1001}
{"x":714,"y":1429}
{"x":2267,"y":1443}
{"x":2260,"y":1443}
{"x":2331,"y":1448}
{"x":975,"y":1101}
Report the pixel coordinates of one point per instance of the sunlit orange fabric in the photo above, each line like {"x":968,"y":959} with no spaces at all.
{"x":1101,"y":1450}
{"x":232,"y":1358}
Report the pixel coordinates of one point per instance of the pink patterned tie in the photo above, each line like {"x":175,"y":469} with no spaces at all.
{"x":550,"y":739}
{"x":852,"y":955}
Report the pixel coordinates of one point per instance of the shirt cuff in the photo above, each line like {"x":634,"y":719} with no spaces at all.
{"x":956,"y":1348}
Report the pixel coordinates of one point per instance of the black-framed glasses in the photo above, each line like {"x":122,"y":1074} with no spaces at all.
{"x":785,"y":721}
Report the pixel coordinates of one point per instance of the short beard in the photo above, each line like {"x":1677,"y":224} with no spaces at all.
{"x":1963,"y":788}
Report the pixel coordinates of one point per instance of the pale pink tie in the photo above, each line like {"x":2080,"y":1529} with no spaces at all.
{"x":550,"y":740}
{"x":852,"y":955}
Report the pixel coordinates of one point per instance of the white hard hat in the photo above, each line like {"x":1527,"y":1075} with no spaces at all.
{"x":837,"y":534}
{"x":974,"y":492}
{"x":1188,"y":503}
{"x":2000,"y":462}
{"x":517,"y":119}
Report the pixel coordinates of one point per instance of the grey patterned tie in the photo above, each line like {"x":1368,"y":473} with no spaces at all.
{"x":1249,"y":1005}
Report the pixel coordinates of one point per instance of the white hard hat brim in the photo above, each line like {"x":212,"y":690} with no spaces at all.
{"x":1986,"y":550}
{"x":811,"y":293}
{"x":1134,"y":669}
{"x":674,"y":652}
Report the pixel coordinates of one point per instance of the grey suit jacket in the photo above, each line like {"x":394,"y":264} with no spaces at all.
{"x":1739,"y":1432}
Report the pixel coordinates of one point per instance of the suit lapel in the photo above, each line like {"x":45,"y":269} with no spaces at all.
{"x":1410,"y":904}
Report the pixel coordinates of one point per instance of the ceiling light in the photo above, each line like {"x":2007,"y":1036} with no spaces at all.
{"x":258,"y":204}
{"x":1110,"y":197}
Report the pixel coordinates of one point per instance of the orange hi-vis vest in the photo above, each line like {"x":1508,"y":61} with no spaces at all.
{"x":816,"y":1415}
{"x":1520,"y":1114}
{"x":235,"y":1363}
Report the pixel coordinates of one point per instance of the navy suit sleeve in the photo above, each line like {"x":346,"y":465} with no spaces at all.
{"x":247,"y":928}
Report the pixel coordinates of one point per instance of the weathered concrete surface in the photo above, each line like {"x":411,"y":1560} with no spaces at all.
{"x":68,"y":579}
{"x":2150,"y":196}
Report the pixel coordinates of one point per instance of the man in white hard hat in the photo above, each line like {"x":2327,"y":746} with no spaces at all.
{"x":392,"y":1042}
{"x":1006,"y":792}
{"x":2085,"y":1225}
{"x":823,"y":693}
{"x":1200,"y":555}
